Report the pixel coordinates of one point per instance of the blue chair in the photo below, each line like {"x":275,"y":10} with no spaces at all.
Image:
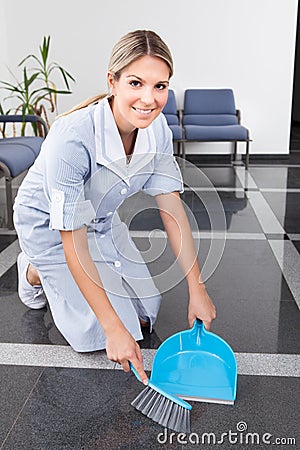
{"x":17,"y":154}
{"x":210,"y":115}
{"x":171,"y":113}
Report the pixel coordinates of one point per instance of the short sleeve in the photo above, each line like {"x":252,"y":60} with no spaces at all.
{"x":166,"y":176}
{"x":67,"y":165}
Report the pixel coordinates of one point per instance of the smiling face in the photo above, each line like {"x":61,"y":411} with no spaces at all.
{"x":140,"y":93}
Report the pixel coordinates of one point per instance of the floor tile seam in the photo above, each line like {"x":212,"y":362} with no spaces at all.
{"x":264,"y":213}
{"x":245,"y":178}
{"x":281,"y":190}
{"x":161,"y":234}
{"x":294,"y":236}
{"x":214,"y":188}
{"x":271,"y":166}
{"x":41,"y":355}
{"x":287,"y":257}
{"x":8,"y":257}
{"x":22,"y":408}
{"x":7,"y":232}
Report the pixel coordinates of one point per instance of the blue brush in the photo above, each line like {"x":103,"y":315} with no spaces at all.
{"x":163,"y":408}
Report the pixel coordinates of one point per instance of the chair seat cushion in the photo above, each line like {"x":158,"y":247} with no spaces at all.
{"x":209,"y":119}
{"x":216,"y":133}
{"x":176,"y":131}
{"x":19,"y":153}
{"x":172,"y":119}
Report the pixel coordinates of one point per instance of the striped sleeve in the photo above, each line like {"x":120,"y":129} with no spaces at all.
{"x":66,"y":169}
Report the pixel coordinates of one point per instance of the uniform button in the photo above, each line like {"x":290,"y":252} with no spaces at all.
{"x":102,"y":236}
{"x":117,"y":264}
{"x":123,"y":191}
{"x":96,"y":220}
{"x":57,"y":197}
{"x":110,"y":213}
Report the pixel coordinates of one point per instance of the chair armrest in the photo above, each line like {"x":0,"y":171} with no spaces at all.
{"x":238,"y":114}
{"x":5,"y":118}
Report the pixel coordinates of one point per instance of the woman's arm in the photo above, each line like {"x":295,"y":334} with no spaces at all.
{"x":120,"y":345}
{"x":181,"y":240}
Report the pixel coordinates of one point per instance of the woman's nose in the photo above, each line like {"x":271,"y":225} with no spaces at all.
{"x":147,"y":96}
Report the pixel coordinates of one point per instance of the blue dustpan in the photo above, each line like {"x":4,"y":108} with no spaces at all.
{"x":196,"y":365}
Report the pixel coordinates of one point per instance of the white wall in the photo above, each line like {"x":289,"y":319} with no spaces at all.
{"x":296,"y":95}
{"x":3,"y":49}
{"x":244,"y":44}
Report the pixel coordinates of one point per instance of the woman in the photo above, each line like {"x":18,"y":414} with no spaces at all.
{"x":75,"y":250}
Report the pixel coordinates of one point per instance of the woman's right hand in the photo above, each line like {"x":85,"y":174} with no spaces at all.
{"x":122,"y":348}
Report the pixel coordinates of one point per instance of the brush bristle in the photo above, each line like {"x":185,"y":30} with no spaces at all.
{"x":162,"y":410}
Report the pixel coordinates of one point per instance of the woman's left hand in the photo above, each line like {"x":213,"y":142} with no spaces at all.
{"x":201,"y":307}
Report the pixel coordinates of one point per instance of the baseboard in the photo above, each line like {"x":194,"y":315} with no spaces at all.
{"x":218,"y":159}
{"x":270,"y":156}
{"x":256,"y":158}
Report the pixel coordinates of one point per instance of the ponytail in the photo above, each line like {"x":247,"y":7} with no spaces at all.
{"x":83,"y":104}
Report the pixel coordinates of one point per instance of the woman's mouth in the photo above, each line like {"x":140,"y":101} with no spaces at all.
{"x":143,"y":111}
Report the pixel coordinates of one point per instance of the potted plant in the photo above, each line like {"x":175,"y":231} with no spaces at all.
{"x":36,"y":93}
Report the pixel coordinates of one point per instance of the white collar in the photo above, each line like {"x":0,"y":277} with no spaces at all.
{"x":109,"y":147}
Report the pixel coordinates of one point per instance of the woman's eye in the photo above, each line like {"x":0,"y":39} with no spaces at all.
{"x":161,"y":86}
{"x":134,"y":83}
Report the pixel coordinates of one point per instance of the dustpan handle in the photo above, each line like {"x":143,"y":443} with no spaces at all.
{"x":199,"y":327}
{"x":199,"y":323}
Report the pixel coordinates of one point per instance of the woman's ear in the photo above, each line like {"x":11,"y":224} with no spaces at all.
{"x":111,"y":82}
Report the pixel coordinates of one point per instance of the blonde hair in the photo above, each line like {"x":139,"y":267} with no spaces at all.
{"x":130,"y":47}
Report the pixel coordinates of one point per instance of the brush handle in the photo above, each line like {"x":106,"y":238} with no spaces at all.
{"x":171,"y":397}
{"x":134,"y":371}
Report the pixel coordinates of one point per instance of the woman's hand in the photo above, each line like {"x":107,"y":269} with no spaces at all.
{"x":201,"y":307}
{"x":122,"y":348}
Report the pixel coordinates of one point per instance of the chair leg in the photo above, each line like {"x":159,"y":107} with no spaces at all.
{"x":247,"y":155}
{"x":235,"y":151}
{"x":9,"y":203}
{"x":178,"y":148}
{"x":183,"y":150}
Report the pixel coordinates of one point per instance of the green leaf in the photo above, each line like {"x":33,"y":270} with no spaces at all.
{"x":12,"y":74}
{"x":45,"y":49}
{"x":27,"y":92}
{"x":38,"y":99}
{"x":24,"y":109}
{"x":25,"y":76}
{"x":32,"y":78}
{"x":29,"y":57}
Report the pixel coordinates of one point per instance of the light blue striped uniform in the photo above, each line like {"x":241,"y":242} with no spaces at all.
{"x":80,"y":178}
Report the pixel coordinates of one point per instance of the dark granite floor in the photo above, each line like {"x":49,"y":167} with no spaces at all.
{"x":253,"y":277}
{"x":70,"y":409}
